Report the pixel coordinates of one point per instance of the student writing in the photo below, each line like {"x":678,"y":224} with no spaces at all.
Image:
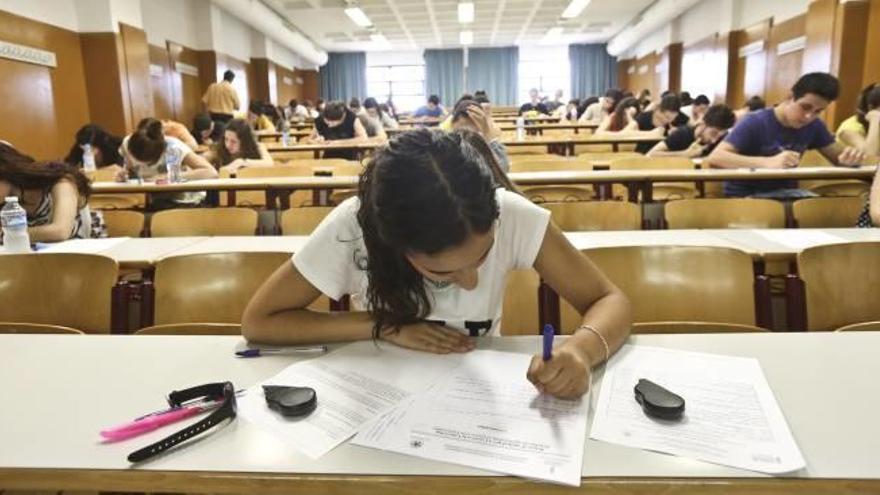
{"x":431,"y":236}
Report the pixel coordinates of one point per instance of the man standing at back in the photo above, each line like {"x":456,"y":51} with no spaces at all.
{"x":221,"y":100}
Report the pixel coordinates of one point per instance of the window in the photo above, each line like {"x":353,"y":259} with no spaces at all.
{"x":546,"y":68}
{"x":403,"y":84}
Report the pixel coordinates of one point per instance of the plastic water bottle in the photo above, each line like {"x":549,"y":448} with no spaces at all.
{"x":285,"y":133}
{"x":520,"y":128}
{"x":15,"y":233}
{"x":88,"y":158}
{"x":173,"y":157}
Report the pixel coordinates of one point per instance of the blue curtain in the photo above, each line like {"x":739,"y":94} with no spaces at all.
{"x":344,"y":76}
{"x":593,"y":71}
{"x":443,"y":75}
{"x":495,"y":71}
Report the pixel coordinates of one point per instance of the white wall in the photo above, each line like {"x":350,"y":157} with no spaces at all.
{"x":716,"y":16}
{"x":236,"y":38}
{"x":173,"y":20}
{"x":126,"y":11}
{"x":60,"y":13}
{"x":751,"y":11}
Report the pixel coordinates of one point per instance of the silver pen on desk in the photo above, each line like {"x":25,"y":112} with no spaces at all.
{"x":248,"y":353}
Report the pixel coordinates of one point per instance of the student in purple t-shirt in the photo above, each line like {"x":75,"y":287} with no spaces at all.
{"x":777,"y":137}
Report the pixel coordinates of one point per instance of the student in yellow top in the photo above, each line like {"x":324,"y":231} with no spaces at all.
{"x":258,"y":119}
{"x":239,"y":149}
{"x":179,"y":131}
{"x":862,"y":130}
{"x":424,"y":251}
{"x":221,"y":99}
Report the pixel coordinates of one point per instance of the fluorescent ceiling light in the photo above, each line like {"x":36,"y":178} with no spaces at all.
{"x":466,"y":12}
{"x":358,"y":17}
{"x":575,"y":8}
{"x":553,"y":35}
{"x":466,"y":37}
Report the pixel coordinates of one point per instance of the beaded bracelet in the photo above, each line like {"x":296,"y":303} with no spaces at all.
{"x":601,"y":338}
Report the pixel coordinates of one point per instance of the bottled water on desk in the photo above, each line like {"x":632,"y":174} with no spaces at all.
{"x":173,"y":157}
{"x":15,"y":233}
{"x":88,"y":158}
{"x":285,"y":133}
{"x":520,"y":128}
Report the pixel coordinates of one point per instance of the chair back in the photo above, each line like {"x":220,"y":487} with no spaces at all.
{"x":212,"y":288}
{"x":204,"y":222}
{"x":573,"y":216}
{"x":192,"y":329}
{"x":841,"y":283}
{"x":725,"y":213}
{"x":123,"y":223}
{"x":66,"y":289}
{"x":827,"y":212}
{"x":678,"y":283}
{"x":8,"y":327}
{"x":303,"y":220}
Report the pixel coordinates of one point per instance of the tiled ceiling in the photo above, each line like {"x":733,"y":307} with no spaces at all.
{"x":417,"y":24}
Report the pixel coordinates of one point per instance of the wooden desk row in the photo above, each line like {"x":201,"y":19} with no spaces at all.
{"x":61,"y":394}
{"x":534,"y":129}
{"x":763,"y":245}
{"x":636,"y":181}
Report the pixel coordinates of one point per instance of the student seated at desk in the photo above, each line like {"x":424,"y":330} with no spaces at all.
{"x":862,"y":130}
{"x":55,"y":196}
{"x":239,"y":149}
{"x":534,"y":106}
{"x":777,"y":137}
{"x":371,"y":119}
{"x":105,"y":147}
{"x":207,"y":132}
{"x":658,"y":121}
{"x":424,"y":251}
{"x":145,"y":154}
{"x":753,"y":104}
{"x":471,"y":116}
{"x":432,"y":110}
{"x":595,"y":113}
{"x":340,"y":125}
{"x":258,"y":119}
{"x":698,"y":141}
{"x":180,"y":132}
{"x":623,"y":118}
{"x":696,"y":110}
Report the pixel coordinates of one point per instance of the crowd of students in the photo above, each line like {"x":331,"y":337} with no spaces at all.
{"x":752,"y":137}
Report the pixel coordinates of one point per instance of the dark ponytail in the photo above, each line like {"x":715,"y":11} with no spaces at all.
{"x":427,"y":191}
{"x":147,"y":143}
{"x":869,"y":99}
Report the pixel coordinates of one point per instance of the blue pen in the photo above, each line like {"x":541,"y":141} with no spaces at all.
{"x":251,"y":353}
{"x":548,"y":333}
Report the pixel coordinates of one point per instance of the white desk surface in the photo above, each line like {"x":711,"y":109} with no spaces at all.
{"x":787,"y":243}
{"x":61,"y":390}
{"x":143,"y":252}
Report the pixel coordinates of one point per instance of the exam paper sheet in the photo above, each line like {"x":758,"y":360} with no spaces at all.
{"x":731,"y":416}
{"x":354,"y":385}
{"x":485,"y":414}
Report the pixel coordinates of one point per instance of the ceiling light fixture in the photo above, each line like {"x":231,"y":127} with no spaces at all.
{"x":466,"y":12}
{"x":380,"y":40}
{"x":358,"y":16}
{"x":553,"y":36}
{"x":466,"y":37}
{"x":575,"y":8}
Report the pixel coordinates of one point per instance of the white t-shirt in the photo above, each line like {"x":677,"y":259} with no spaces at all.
{"x":331,"y":257}
{"x":159,"y":167}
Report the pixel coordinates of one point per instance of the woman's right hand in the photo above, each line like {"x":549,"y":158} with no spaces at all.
{"x":121,"y":175}
{"x":429,"y":337}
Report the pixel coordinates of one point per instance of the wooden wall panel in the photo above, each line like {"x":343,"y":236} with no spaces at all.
{"x":623,"y":76}
{"x":262,"y":70}
{"x":136,"y":54}
{"x":749,"y":72}
{"x":42,"y":107}
{"x":672,"y":67}
{"x":286,"y":85}
{"x":871,"y":65}
{"x":104,"y":72}
{"x":163,"y":93}
{"x":783,"y":70}
{"x":820,"y":36}
{"x":187,"y":88}
{"x":311,"y":82}
{"x":645,"y":76}
{"x":848,"y":55}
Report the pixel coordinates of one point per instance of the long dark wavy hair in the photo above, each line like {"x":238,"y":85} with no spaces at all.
{"x":427,"y":191}
{"x":869,"y":99}
{"x":25,"y":173}
{"x":96,"y":136}
{"x":618,"y":118}
{"x":248,"y":143}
